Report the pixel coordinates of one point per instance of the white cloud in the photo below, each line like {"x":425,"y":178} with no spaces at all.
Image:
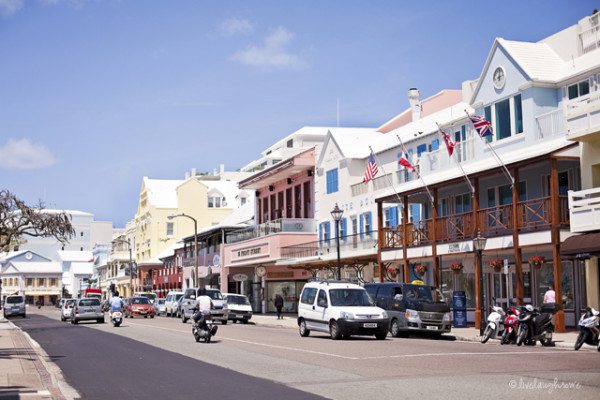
{"x":234,"y":26}
{"x":23,"y":154}
{"x":9,"y":7}
{"x":273,"y":53}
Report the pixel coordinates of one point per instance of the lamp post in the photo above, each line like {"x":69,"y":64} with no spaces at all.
{"x":128,"y":241}
{"x":170,"y":217}
{"x":336,"y":213}
{"x":478,"y":246}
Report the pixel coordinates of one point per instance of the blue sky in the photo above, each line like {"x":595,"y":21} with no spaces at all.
{"x":96,"y":94}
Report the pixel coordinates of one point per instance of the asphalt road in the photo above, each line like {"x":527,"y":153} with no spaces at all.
{"x":359,"y":368}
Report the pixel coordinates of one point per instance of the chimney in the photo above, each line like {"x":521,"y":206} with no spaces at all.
{"x":414,"y":101}
{"x":193,"y":172}
{"x":187,"y":175}
{"x":221,"y":168}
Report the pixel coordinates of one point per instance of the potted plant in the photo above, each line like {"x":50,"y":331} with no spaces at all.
{"x":392,"y":271}
{"x":456,"y":267}
{"x":536,"y":261}
{"x":421,"y":269}
{"x":497,"y":264}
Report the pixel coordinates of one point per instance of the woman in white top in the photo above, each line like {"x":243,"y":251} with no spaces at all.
{"x":550,"y":295}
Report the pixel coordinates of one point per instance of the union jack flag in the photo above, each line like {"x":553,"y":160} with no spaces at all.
{"x":371,"y":170}
{"x":449,"y":143}
{"x":482,"y":126}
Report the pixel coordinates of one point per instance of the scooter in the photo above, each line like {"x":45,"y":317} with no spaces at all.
{"x":116,"y":318}
{"x":495,"y":326}
{"x":588,"y":329}
{"x":204,"y":327}
{"x":511,"y":324}
{"x":535,"y":325}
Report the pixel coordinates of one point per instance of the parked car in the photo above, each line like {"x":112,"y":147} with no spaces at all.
{"x":150,"y":295}
{"x":171,"y":302}
{"x":178,"y":307}
{"x":219,"y":312}
{"x":14,"y":305}
{"x":411,"y":308}
{"x":87,"y":309}
{"x":65,"y":310}
{"x":340,"y":309}
{"x":139,"y":306}
{"x":238,"y":306}
{"x":159,"y":306}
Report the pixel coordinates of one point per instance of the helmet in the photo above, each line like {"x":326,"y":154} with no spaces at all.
{"x":529,"y":307}
{"x":116,"y":293}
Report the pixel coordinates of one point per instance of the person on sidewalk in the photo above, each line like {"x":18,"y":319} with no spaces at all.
{"x":278,"y":302}
{"x":550,"y":296}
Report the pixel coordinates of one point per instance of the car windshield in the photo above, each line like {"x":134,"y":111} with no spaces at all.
{"x":178,"y":296}
{"x":69,"y":303}
{"x":350,"y":298}
{"x":14,"y":299}
{"x":140,"y":300}
{"x":418,"y":293}
{"x":161,"y":301}
{"x":150,"y":296}
{"x":231,"y":299}
{"x":89,"y":302}
{"x":214,"y":294}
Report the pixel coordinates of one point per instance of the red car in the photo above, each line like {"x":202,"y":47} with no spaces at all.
{"x":139,"y":307}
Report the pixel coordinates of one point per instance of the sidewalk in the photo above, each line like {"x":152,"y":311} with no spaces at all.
{"x":561,"y":340}
{"x":25,"y":370}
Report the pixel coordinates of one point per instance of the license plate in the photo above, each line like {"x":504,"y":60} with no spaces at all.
{"x":89,"y":310}
{"x":432,"y":328}
{"x":370,"y":325}
{"x":232,"y":315}
{"x":15,"y":308}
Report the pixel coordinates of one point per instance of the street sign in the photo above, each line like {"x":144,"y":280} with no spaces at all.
{"x":240,"y":277}
{"x":506,"y":266}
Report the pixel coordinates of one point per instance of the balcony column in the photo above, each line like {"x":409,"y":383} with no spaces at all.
{"x":478,"y":288}
{"x":436,"y":261}
{"x":559,"y":318}
{"x":405,"y":239}
{"x":380,"y":239}
{"x":520,"y":288}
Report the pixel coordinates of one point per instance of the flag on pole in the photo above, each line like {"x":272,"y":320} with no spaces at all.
{"x":449,"y":143}
{"x":482,"y":125}
{"x":371,"y":170}
{"x":405,"y":163}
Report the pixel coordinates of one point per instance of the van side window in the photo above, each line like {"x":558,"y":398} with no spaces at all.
{"x":372,"y":290}
{"x":308,"y":295}
{"x":322,"y":297}
{"x":397,"y":290}
{"x":189,"y":292}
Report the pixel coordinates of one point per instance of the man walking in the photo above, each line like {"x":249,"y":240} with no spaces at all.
{"x":278,"y":305}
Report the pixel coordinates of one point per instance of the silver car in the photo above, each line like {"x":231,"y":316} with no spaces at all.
{"x":219,"y":312}
{"x":14,"y":305}
{"x":67,"y":307}
{"x":87,"y":309}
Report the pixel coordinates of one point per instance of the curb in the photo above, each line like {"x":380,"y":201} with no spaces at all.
{"x":55,"y":375}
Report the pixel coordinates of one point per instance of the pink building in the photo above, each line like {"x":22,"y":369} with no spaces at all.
{"x":284,"y":216}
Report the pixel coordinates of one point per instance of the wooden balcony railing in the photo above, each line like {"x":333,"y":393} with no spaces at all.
{"x":455,"y":227}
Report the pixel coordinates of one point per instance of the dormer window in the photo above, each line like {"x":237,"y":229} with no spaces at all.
{"x":214,"y":202}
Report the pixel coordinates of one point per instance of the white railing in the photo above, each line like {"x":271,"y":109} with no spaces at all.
{"x":297,"y":225}
{"x":583,"y":113}
{"x":584,"y":210}
{"x":551,"y":124}
{"x":358,"y":189}
{"x":590,"y":37}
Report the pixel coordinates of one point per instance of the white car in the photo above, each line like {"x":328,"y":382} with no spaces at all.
{"x":65,"y":309}
{"x":340,"y":309}
{"x":239,"y":307}
{"x":171,"y":302}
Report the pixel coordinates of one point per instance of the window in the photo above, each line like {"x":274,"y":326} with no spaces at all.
{"x":290,"y":143}
{"x":578,"y":89}
{"x":332,"y":181}
{"x":308,"y":295}
{"x":169,"y":228}
{"x":242,"y":201}
{"x":488,"y":116}
{"x":435,"y":145}
{"x":386,"y":218}
{"x":502,"y":119}
{"x":462,"y":203}
{"x":322,"y":298}
{"x":81,"y":233}
{"x":368,"y":224}
{"x":41,"y":282}
{"x":29,"y":282}
{"x":214,"y":202}
{"x":422,"y":148}
{"x":354,"y":224}
{"x":518,"y":114}
{"x":343,"y":229}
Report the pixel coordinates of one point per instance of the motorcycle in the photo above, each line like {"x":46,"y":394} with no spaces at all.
{"x":116,"y":318}
{"x":203,"y":327}
{"x":588,"y":329}
{"x":536,"y":325}
{"x":495,"y":326}
{"x":511,"y":324}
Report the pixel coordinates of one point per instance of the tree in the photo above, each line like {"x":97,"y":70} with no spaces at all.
{"x":17,"y":219}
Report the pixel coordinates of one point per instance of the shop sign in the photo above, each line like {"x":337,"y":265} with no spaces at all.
{"x":453,"y":248}
{"x":240,"y":277}
{"x":249,"y":252}
{"x":284,"y":274}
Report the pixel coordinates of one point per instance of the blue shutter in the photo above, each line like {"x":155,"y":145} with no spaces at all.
{"x":320,"y":232}
{"x":422,"y":148}
{"x":416,"y":212}
{"x":368,"y":216}
{"x":362,"y":226}
{"x":344,"y":229}
{"x":328,"y":230}
{"x":393,"y":217}
{"x":335,"y":181}
{"x":435,"y":145}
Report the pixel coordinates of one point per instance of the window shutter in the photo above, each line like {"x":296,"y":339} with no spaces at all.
{"x":344,"y":228}
{"x":320,"y":232}
{"x":370,"y":222}
{"x":362,"y":226}
{"x":393,"y":217}
{"x":328,"y":231}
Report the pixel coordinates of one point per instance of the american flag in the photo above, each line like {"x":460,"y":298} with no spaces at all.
{"x":405,"y":163}
{"x":449,"y":143}
{"x":482,"y":126}
{"x":371,"y":170}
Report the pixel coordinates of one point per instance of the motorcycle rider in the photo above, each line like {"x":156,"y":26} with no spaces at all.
{"x":116,"y":303}
{"x":203,"y":306}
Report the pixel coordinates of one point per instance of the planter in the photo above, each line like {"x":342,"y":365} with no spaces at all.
{"x":497,"y":264}
{"x":456,"y":267}
{"x":420,"y":270}
{"x":536,"y":261}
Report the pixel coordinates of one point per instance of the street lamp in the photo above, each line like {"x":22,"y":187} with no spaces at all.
{"x":170,"y":217}
{"x":337,"y":213}
{"x":128,"y":241}
{"x":478,"y":246}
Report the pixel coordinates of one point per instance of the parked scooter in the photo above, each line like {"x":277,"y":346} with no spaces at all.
{"x":511,"y":324}
{"x":536,"y":325}
{"x":588,"y":329}
{"x":116,"y":318}
{"x":495,"y":326}
{"x":203,"y":327}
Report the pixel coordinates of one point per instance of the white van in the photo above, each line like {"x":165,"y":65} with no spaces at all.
{"x":340,"y":309}
{"x":171,"y":302}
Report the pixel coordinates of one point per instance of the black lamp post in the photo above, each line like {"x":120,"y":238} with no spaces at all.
{"x":170,"y":217}
{"x":478,"y":246}
{"x":336,"y":213}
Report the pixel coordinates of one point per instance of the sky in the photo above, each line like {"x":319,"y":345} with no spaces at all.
{"x":96,"y":94}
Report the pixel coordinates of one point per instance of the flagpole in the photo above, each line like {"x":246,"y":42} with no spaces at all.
{"x":459,"y":165}
{"x":496,"y":156}
{"x":383,"y":170}
{"x":418,"y":174}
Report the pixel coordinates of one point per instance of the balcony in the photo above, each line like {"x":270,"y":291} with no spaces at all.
{"x":584,"y":210}
{"x":551,"y":124}
{"x":532,"y":216}
{"x":583,"y":116}
{"x":351,"y":245}
{"x":283,"y":225}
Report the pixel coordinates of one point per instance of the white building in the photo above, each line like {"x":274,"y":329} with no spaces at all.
{"x":77,"y":267}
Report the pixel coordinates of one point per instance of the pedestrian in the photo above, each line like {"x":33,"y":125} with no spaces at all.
{"x":550,"y":296}
{"x":278,"y":302}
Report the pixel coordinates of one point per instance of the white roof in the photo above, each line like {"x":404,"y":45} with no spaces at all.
{"x":169,"y":251}
{"x":7,"y":255}
{"x":82,"y":268}
{"x":162,"y":192}
{"x":70,"y":255}
{"x":241,"y":215}
{"x":72,"y":212}
{"x":50,"y":267}
{"x":229,"y":190}
{"x":354,"y":142}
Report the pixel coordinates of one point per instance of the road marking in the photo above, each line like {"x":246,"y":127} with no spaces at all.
{"x":24,"y":393}
{"x":498,"y":353}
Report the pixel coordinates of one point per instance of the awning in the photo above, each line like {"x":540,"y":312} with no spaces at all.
{"x":581,"y":246}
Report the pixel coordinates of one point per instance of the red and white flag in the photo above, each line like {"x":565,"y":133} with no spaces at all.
{"x":371,"y":170}
{"x":449,"y":143}
{"x":405,"y":163}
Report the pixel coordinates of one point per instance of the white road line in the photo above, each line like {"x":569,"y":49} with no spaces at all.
{"x":499,"y":353}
